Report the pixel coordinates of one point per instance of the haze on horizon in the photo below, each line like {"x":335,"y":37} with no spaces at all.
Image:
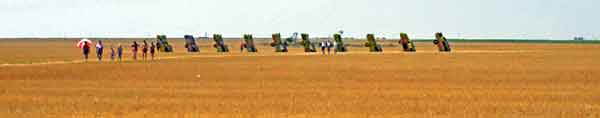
{"x":551,"y":19}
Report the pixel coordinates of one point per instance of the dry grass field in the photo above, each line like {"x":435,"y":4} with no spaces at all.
{"x":46,"y":78}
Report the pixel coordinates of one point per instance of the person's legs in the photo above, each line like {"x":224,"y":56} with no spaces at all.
{"x":99,"y":55}
{"x":84,"y":54}
{"x":134,"y":55}
{"x":157,"y":55}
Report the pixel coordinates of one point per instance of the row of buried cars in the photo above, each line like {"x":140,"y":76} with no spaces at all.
{"x":281,"y":45}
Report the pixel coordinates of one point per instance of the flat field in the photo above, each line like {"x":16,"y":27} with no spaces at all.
{"x":47,"y":78}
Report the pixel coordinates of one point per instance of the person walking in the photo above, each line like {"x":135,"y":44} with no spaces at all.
{"x":329,"y":46}
{"x":157,"y":47}
{"x":99,"y":50}
{"x":86,"y":50}
{"x":323,"y":46}
{"x":145,"y":50}
{"x":120,"y":52}
{"x":134,"y":49}
{"x":152,"y":50}
{"x":112,"y":53}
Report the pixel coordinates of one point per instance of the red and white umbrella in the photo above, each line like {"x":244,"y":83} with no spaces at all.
{"x":82,"y":42}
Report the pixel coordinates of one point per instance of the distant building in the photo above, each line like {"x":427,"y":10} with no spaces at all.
{"x":578,"y":38}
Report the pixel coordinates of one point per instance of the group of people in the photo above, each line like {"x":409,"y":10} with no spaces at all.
{"x":118,"y":54}
{"x":145,"y":49}
{"x":327,"y":44}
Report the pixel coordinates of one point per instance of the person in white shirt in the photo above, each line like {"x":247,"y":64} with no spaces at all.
{"x":329,"y":45}
{"x":99,"y":50}
{"x":323,"y":46}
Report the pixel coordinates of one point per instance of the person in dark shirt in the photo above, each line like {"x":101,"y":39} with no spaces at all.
{"x":86,"y":50}
{"x":112,"y":53}
{"x":120,"y":52}
{"x":145,"y":50}
{"x":157,"y":47}
{"x":152,"y":50}
{"x":134,"y":50}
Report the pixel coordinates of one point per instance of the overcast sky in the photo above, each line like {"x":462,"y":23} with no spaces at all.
{"x":556,"y":19}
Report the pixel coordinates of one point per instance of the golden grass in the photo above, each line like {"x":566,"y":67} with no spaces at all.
{"x":545,"y":80}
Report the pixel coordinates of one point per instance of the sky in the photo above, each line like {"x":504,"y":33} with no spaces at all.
{"x":533,"y":19}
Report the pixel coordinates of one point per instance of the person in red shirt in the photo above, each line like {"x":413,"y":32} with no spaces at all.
{"x":86,"y":50}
